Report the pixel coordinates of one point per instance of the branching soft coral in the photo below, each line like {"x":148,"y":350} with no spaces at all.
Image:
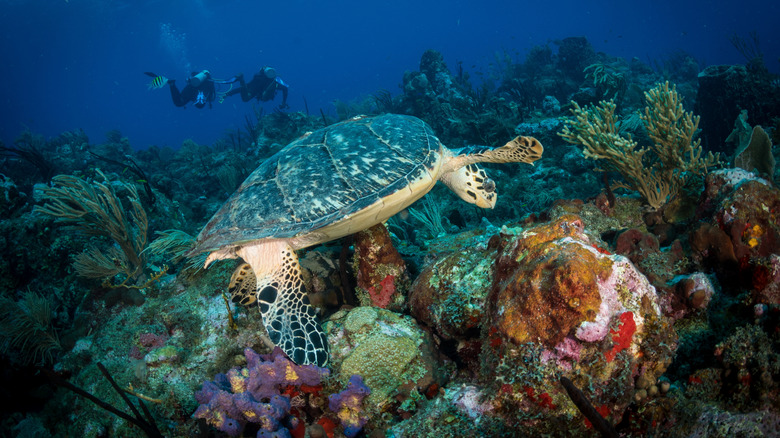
{"x":657,"y":176}
{"x":93,"y":208}
{"x":26,"y":328}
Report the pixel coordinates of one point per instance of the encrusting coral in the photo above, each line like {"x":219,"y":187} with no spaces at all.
{"x":676,"y":156}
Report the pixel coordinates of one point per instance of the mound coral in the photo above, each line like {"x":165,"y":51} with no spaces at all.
{"x":380,"y":270}
{"x":392,"y":354}
{"x":562,"y":305}
{"x":449,"y":294}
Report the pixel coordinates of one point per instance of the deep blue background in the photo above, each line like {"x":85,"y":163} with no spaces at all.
{"x":80,"y":63}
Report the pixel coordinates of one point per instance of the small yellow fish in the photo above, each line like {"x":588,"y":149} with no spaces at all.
{"x":158,"y":82}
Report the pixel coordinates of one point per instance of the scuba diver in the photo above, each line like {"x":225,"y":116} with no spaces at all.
{"x":200,"y":88}
{"x":263,"y":87}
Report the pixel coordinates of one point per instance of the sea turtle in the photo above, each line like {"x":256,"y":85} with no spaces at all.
{"x":328,"y":184}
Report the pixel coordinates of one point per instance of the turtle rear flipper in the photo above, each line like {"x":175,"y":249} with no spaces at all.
{"x":288,"y":316}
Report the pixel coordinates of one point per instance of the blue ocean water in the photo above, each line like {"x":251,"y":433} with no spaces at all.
{"x":72,"y":64}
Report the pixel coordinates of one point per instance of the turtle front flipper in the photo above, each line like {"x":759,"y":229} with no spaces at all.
{"x":243,"y":285}
{"x":518,"y":150}
{"x":288,"y":316}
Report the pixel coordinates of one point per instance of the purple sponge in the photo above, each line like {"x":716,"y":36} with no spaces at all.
{"x":254,"y":394}
{"x":348,"y":406}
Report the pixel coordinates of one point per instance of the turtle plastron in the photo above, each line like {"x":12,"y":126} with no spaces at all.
{"x":288,"y":316}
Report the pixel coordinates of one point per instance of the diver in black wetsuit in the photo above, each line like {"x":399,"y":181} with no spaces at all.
{"x":200,"y":88}
{"x":263,"y":87}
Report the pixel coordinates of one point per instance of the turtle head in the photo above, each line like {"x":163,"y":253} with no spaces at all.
{"x":473,"y":185}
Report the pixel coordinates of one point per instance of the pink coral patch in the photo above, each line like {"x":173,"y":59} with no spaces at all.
{"x":383,"y":297}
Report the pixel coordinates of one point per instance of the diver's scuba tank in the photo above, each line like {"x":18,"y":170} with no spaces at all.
{"x":197,"y":79}
{"x":269,"y":72}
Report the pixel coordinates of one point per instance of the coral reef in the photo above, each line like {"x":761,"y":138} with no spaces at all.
{"x":585,"y":314}
{"x":742,"y":213}
{"x":750,"y":368}
{"x":724,"y":91}
{"x":556,"y":302}
{"x":460,"y":321}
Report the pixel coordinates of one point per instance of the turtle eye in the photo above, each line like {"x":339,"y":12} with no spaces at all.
{"x":489,"y":185}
